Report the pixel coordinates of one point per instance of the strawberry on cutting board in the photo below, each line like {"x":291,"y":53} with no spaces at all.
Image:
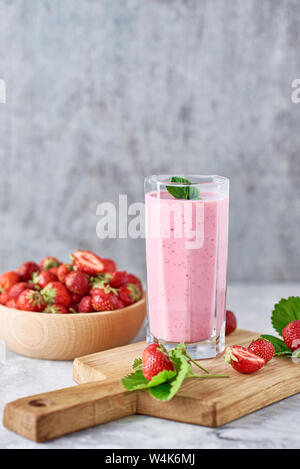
{"x":263,"y":348}
{"x":291,"y":335}
{"x":242,"y":360}
{"x":154,"y":361}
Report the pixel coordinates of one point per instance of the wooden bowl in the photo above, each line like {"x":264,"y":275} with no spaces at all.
{"x":67,"y":336}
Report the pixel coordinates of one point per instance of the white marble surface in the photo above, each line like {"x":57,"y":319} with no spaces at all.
{"x":276,"y":426}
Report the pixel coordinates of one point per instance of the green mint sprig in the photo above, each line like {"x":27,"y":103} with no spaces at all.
{"x":181,"y":192}
{"x":165,"y":384}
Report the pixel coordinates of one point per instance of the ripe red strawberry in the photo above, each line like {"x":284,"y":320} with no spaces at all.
{"x":26,"y":270}
{"x":97,"y":290}
{"x":77,"y":282}
{"x":88,"y":262}
{"x":149,"y":349}
{"x":103,"y":299}
{"x":30,"y":300}
{"x":8,"y":279}
{"x":117,"y":279}
{"x":12,"y":303}
{"x":73,"y":308}
{"x":130,"y":278}
{"x":100,"y":281}
{"x":262,"y":348}
{"x":154,"y":361}
{"x":120,"y":304}
{"x":56,"y":309}
{"x":85,"y":305}
{"x":231,"y":322}
{"x":42,"y":278}
{"x":129,"y":293}
{"x":17,"y":288}
{"x":56,"y":292}
{"x":49,"y":262}
{"x":54,"y":271}
{"x":62,"y":271}
{"x":4,"y":297}
{"x":242,"y":360}
{"x":109,"y":265}
{"x":75,"y":299}
{"x":291,"y":335}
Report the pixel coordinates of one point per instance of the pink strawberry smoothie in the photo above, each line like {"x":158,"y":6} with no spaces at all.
{"x":186,"y":287}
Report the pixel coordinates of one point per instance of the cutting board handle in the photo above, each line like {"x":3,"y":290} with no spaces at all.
{"x":46,"y":416}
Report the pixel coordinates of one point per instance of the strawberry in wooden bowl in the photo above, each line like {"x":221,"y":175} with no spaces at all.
{"x":60,"y":311}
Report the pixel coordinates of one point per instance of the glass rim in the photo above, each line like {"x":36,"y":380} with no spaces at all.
{"x":162,"y":179}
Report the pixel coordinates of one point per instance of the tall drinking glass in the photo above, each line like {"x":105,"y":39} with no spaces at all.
{"x":186,"y":255}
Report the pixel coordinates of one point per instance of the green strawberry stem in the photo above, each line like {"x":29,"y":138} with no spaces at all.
{"x":208,"y":376}
{"x":197,"y":364}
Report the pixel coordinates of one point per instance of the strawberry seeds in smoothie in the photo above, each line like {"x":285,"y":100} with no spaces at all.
{"x":186,"y":255}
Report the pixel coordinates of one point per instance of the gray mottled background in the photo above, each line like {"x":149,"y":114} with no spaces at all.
{"x":101,"y":93}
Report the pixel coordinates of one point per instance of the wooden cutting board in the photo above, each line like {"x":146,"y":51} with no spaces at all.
{"x":100,"y":397}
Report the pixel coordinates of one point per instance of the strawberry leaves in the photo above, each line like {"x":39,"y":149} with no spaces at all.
{"x":137,"y":364}
{"x":286,"y":311}
{"x":136,"y":380}
{"x":165,"y":384}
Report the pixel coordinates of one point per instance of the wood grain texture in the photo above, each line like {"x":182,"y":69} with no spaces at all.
{"x":46,"y":416}
{"x":66,"y":336}
{"x":101,"y":398}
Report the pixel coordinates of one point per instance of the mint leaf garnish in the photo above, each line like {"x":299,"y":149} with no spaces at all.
{"x":280,"y":347}
{"x":286,"y":311}
{"x":181,"y":192}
